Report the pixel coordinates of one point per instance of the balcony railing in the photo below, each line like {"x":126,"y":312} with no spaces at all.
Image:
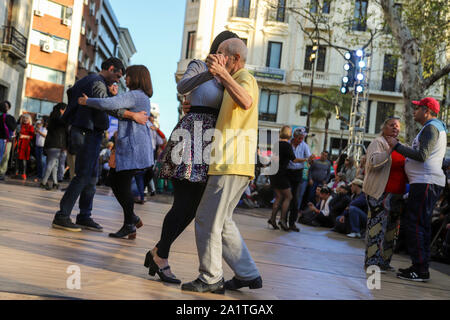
{"x":386,"y":85}
{"x":331,"y":78}
{"x":14,"y":42}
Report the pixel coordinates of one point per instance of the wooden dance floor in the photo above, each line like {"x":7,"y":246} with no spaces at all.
{"x":313,"y":264}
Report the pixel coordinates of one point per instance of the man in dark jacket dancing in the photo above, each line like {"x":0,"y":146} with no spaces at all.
{"x":86,"y":133}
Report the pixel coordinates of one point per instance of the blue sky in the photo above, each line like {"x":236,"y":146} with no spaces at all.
{"x":157,"y":31}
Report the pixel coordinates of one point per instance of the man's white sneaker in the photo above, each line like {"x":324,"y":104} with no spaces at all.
{"x":354,"y":235}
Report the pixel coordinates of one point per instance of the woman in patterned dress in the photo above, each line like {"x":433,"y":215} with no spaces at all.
{"x":384,"y":186}
{"x":182,"y":162}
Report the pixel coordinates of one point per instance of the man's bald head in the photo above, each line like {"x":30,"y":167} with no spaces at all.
{"x":233,"y":47}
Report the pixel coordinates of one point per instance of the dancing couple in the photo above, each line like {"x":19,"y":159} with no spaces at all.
{"x":223,"y":95}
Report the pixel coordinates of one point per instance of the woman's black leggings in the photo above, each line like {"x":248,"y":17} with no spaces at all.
{"x":22,"y":166}
{"x":121,"y":187}
{"x":187,"y":196}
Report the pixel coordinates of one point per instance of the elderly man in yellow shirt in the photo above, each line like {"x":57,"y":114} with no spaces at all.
{"x":232,"y":166}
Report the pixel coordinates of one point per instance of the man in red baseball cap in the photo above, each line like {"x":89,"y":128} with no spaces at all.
{"x":423,"y":167}
{"x":428,"y":103}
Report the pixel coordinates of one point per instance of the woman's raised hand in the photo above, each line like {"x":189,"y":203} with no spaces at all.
{"x":82,"y":100}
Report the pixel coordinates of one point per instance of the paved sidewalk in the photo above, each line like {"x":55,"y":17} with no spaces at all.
{"x":313,"y":264}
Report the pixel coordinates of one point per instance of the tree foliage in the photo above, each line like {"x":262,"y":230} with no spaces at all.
{"x":416,"y":31}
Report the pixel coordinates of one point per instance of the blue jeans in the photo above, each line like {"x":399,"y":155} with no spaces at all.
{"x":301,"y":192}
{"x":357,"y":218}
{"x":2,"y":148}
{"x":40,"y":168}
{"x":87,"y":146}
{"x":62,"y":165}
{"x":52,"y":165}
{"x":139,"y":178}
{"x":417,"y":221}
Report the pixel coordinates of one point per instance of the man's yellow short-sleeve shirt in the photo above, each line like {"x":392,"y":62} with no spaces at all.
{"x":235,"y":142}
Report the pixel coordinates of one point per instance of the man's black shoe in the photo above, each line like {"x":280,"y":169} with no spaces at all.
{"x":294,"y":228}
{"x":412,"y":274}
{"x":89,"y":224}
{"x":199,"y":286}
{"x":236,"y":284}
{"x":65,"y":224}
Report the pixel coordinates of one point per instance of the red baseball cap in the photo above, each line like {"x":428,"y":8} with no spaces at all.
{"x":430,"y":103}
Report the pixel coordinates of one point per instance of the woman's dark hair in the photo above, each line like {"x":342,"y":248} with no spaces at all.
{"x":140,"y":79}
{"x":341,"y":161}
{"x":325,"y":190}
{"x":5,"y":106}
{"x":57,"y":108}
{"x":351,"y":161}
{"x":221,"y":37}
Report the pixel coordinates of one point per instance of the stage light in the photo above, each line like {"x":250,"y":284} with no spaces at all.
{"x":362,"y":64}
{"x":347,"y":66}
{"x":360,"y":76}
{"x":345,"y":79}
{"x":344,"y":90}
{"x":359,"y":88}
{"x":348,"y":55}
{"x":359,"y":53}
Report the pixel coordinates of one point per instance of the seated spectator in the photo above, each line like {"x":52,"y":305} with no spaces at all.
{"x":349,"y":169}
{"x":361,"y":171}
{"x":306,"y":216}
{"x":323,"y":217}
{"x":249,"y":197}
{"x":337,"y":182}
{"x":354,"y":218}
{"x":319,"y":215}
{"x":319,"y":173}
{"x":265,"y":192}
{"x":340,"y":202}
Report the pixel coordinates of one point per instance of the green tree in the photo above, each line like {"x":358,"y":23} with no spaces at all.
{"x":415,"y":31}
{"x":421,"y":33}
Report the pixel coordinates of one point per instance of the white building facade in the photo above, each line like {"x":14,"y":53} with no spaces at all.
{"x":14,"y":34}
{"x":278,"y":57}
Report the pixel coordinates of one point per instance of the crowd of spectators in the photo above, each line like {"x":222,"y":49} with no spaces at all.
{"x":326,"y":194}
{"x":39,"y":151}
{"x":331,"y":196}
